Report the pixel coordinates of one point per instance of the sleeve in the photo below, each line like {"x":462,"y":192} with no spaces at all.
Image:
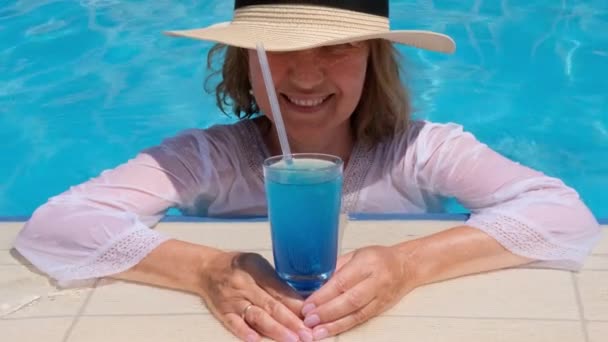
{"x":529,"y":213}
{"x":102,"y":227}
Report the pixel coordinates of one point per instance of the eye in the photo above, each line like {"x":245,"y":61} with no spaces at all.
{"x":356,"y":45}
{"x":343,"y":48}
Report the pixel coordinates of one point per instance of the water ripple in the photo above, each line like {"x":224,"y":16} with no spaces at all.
{"x":98,"y":79}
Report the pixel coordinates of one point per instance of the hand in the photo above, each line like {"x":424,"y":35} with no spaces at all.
{"x":243,"y":291}
{"x":367,"y":282}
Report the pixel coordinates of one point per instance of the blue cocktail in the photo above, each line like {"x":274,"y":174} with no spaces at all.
{"x":304,"y":200}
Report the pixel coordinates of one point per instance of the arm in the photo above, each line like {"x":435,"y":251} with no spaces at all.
{"x":528,"y":213}
{"x":372,"y":279}
{"x":453,"y":253}
{"x":102,"y":227}
{"x":519,"y":216}
{"x":174,"y":264}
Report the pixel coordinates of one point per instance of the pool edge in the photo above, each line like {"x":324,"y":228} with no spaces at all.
{"x":353,"y":216}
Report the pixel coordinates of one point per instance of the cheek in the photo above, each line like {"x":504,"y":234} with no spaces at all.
{"x":351,"y":78}
{"x":256,"y":78}
{"x":255,"y":73}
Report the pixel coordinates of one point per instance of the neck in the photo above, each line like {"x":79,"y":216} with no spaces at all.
{"x":338,"y":142}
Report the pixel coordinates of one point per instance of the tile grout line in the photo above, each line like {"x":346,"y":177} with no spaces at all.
{"x":171,"y":314}
{"x":594,"y":269}
{"x":581,"y":308}
{"x":486,"y":318}
{"x":76,"y":319}
{"x":206,"y":314}
{"x":203,"y":314}
{"x":27,"y":318}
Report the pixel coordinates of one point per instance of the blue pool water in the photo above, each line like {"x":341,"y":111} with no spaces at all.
{"x":304,"y":246}
{"x":86,"y":84}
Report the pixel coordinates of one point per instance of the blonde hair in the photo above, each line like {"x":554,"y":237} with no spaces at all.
{"x":383,"y":110}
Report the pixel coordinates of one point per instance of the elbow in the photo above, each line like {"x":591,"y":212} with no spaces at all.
{"x":543,"y":220}
{"x":74,"y":243}
{"x":40,"y":240}
{"x":554,"y":231}
{"x":578,"y":222}
{"x":574,"y":231}
{"x":59,"y":236}
{"x":562,"y":213}
{"x":32,"y":232}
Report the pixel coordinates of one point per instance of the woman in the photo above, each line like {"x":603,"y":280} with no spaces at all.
{"x":337,"y":76}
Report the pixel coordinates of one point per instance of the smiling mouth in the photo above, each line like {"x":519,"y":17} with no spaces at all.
{"x":307,"y":103}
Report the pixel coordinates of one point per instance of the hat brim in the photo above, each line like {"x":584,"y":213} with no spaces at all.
{"x":247,"y":36}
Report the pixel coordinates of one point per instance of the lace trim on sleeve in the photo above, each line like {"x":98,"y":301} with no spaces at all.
{"x":121,"y":253}
{"x":521,"y":238}
{"x":354,"y":177}
{"x":252,"y":147}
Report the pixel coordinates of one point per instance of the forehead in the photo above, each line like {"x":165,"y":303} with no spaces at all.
{"x":350,"y":47}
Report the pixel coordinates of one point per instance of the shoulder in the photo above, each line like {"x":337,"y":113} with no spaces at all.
{"x":233,"y":130}
{"x":220,"y":139}
{"x":229,"y":130}
{"x":424,"y":131}
{"x":424,"y":135}
{"x":215,"y":135}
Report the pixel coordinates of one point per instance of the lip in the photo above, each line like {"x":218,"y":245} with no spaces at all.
{"x":305,"y":109}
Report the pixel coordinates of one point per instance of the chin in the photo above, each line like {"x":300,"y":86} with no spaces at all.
{"x":307,"y":129}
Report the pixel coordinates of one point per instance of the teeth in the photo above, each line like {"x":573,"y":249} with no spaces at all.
{"x":307,"y":103}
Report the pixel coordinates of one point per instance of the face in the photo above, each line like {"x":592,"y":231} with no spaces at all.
{"x":318,"y":89}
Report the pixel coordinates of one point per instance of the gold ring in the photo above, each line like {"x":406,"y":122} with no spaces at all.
{"x":245,"y":310}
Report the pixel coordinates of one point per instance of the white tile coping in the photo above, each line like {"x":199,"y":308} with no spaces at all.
{"x":510,"y":305}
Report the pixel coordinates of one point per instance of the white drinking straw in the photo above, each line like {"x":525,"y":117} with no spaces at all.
{"x":274,"y":103}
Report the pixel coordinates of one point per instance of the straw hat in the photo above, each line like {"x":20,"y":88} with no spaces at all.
{"x":287,"y":25}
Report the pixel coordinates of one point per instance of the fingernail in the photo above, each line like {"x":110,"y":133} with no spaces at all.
{"x":291,"y":337}
{"x":305,"y":335}
{"x":252,"y":338}
{"x":312,"y":320}
{"x":320,"y":334}
{"x":308,"y":308}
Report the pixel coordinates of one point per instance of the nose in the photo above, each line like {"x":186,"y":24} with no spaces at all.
{"x":306,"y":69}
